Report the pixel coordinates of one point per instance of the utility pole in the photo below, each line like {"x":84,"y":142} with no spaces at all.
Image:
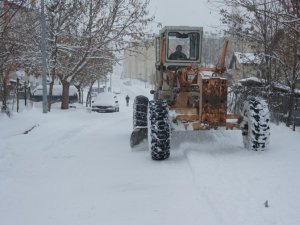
{"x":110,"y":83}
{"x":1,"y":49}
{"x":3,"y":38}
{"x":44,"y":62}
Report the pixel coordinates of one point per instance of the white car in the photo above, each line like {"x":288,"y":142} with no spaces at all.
{"x":105,"y":102}
{"x":117,"y":90}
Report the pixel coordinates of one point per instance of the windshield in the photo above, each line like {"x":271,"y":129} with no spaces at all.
{"x":183,"y":45}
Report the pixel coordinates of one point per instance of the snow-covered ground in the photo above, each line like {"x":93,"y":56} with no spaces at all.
{"x":75,"y":167}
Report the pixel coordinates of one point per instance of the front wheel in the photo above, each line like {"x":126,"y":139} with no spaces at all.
{"x":159,"y":130}
{"x":256,"y":124}
{"x":140,"y":108}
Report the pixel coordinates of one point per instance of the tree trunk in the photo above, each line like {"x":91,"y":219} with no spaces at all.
{"x":25,"y":93}
{"x":79,"y":93}
{"x":89,"y":96}
{"x":5,"y":93}
{"x":17,"y":94}
{"x":65,"y":95}
{"x":50,"y":95}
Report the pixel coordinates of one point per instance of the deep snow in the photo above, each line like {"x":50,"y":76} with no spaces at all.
{"x":76,"y":167}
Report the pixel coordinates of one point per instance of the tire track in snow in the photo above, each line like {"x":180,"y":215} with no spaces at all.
{"x":202,"y":142}
{"x":209,"y":146}
{"x":202,"y":197}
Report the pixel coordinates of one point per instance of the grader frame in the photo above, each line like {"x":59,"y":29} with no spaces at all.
{"x":190,"y":97}
{"x":198,"y":100}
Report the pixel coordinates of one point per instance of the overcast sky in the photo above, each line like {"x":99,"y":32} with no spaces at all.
{"x":186,"y":13}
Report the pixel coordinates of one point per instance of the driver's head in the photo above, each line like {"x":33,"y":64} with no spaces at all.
{"x":179,"y":48}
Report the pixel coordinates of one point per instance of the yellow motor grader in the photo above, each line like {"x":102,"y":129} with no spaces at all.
{"x":190,"y":97}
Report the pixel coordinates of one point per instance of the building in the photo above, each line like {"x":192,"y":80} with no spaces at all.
{"x":139,"y":61}
{"x":244,"y":65}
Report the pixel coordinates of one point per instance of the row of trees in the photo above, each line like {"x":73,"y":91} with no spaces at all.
{"x":272,"y":28}
{"x":83,"y":40}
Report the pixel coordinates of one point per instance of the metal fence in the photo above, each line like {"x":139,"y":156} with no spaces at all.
{"x":278,"y":105}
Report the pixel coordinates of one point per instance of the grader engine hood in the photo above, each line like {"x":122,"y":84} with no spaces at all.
{"x":200,"y":102}
{"x":214,"y":102}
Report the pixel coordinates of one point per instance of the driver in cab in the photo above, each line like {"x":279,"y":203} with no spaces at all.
{"x":178,"y":54}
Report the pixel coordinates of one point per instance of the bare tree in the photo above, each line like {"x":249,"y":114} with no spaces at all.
{"x":96,"y":29}
{"x":288,"y":50}
{"x":8,"y":45}
{"x":272,"y":28}
{"x":60,"y":16}
{"x":253,"y":22}
{"x":83,"y":37}
{"x":96,"y":69}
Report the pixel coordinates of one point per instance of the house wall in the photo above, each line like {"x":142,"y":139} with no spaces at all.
{"x":241,"y":71}
{"x":244,"y":65}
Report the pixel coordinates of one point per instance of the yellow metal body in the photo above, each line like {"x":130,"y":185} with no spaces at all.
{"x":201,"y":103}
{"x":196,"y":101}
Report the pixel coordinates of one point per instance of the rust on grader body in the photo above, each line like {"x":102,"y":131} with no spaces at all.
{"x":205,"y":109}
{"x":214,"y":102}
{"x":198,"y":100}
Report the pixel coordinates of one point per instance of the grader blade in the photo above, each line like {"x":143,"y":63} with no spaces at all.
{"x":138,"y":135}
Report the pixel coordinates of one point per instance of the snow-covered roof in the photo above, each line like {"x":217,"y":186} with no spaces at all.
{"x":254,"y":79}
{"x":248,"y":58}
{"x":261,"y":81}
{"x":284,"y":87}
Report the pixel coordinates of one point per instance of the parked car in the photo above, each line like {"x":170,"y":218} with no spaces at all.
{"x":105,"y":102}
{"x":37,"y":94}
{"x":117,"y":90}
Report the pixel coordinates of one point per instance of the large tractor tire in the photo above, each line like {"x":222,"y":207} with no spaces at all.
{"x":159,"y":130}
{"x":140,"y":120}
{"x":140,"y":109}
{"x":256,"y":124}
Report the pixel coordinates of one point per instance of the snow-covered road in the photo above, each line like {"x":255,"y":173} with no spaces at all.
{"x":76,"y":167}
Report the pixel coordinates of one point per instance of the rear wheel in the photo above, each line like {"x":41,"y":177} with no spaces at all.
{"x":159,"y":130}
{"x":255,"y":125}
{"x":140,"y":109}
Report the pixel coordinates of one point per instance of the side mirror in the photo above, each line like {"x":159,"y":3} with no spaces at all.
{"x":152,"y":92}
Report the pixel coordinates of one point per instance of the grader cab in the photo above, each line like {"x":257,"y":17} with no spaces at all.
{"x":188,"y":96}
